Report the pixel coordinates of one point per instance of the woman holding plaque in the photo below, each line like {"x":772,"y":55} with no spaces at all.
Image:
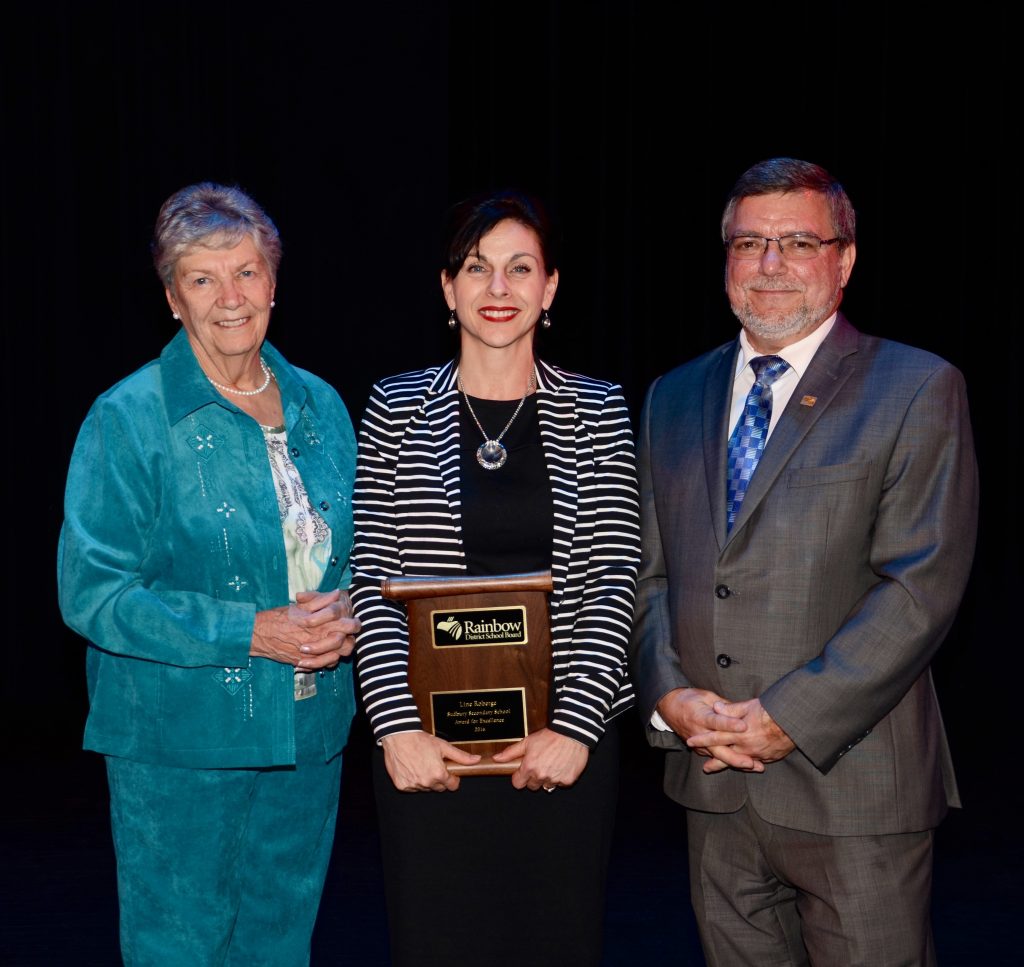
{"x":498,"y":463}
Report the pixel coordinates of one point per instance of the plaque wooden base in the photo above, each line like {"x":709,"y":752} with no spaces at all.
{"x":479,"y":659}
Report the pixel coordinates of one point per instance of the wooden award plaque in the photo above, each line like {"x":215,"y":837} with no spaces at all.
{"x":479,"y":659}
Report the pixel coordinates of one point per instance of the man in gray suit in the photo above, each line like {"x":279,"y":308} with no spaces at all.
{"x":808,"y":525}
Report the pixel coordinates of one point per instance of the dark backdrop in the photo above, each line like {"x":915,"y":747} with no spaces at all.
{"x":355,"y":126}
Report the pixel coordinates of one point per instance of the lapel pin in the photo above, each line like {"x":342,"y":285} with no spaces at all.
{"x":809,"y":401}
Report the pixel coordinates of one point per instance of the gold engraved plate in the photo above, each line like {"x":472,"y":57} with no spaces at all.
{"x":478,"y":627}
{"x":469,"y":718}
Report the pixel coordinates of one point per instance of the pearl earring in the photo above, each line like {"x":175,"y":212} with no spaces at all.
{"x":545,"y":320}
{"x":453,"y":323}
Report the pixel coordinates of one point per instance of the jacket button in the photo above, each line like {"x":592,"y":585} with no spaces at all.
{"x":324,"y":505}
{"x":722,"y":591}
{"x":334,"y":562}
{"x":723,"y":661}
{"x":295,"y":451}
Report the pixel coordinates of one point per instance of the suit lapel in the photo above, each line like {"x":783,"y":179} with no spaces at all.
{"x":830,"y":368}
{"x":556,"y":412}
{"x":715,"y":414}
{"x":441,"y":417}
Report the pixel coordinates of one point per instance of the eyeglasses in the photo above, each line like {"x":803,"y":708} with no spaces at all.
{"x":799,"y":245}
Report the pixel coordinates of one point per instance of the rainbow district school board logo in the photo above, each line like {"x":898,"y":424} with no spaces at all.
{"x":486,"y":626}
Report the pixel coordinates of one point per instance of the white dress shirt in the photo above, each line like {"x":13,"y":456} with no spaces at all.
{"x":798,"y":355}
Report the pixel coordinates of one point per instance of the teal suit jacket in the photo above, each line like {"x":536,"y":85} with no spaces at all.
{"x":172,"y":542}
{"x":829,"y":597}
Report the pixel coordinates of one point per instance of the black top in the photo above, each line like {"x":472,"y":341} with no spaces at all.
{"x":508,"y":513}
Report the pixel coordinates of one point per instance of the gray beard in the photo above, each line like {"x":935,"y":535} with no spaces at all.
{"x":799,"y":320}
{"x":776,"y":328}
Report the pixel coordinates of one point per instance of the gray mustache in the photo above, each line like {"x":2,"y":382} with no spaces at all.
{"x":772,"y":284}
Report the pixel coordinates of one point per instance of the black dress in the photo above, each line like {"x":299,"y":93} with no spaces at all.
{"x":491,"y":874}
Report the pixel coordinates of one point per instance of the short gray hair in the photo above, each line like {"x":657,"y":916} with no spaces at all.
{"x":214,"y":216}
{"x":782,"y":175}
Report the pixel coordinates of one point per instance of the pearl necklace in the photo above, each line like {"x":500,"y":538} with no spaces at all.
{"x":491,"y":454}
{"x":247,"y":392}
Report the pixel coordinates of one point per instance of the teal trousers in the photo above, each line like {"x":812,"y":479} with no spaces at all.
{"x":223,"y":866}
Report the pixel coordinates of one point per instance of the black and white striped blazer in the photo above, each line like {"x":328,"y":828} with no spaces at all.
{"x":408,"y":522}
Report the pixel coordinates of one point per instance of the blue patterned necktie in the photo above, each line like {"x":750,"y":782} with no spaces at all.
{"x":747,"y":439}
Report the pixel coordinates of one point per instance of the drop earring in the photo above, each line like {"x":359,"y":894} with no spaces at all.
{"x":453,"y":323}
{"x":545,"y":320}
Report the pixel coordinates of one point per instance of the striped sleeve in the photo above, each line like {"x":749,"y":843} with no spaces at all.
{"x":382,"y":652}
{"x":600,"y":555}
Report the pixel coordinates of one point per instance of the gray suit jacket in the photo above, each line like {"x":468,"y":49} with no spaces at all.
{"x":831,"y":594}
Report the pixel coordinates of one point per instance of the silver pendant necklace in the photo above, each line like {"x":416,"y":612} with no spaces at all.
{"x":491,"y":454}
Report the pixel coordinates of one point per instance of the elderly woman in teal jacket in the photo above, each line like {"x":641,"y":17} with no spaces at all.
{"x":203,"y":556}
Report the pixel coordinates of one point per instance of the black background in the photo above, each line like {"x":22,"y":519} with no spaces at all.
{"x":355,"y":127}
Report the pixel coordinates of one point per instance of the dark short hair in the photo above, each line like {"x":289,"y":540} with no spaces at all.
{"x":208,"y":213}
{"x":781,"y":175}
{"x":470,"y":220}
